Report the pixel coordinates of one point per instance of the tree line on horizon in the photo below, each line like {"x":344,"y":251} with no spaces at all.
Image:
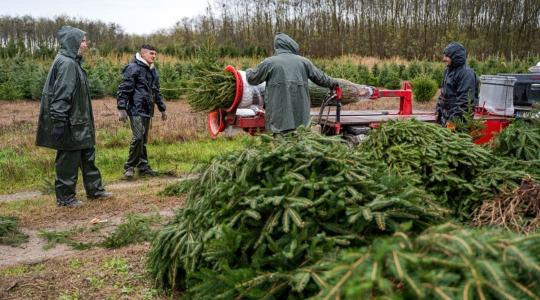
{"x":413,"y":29}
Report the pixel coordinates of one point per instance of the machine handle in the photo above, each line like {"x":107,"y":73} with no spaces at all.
{"x":339,"y":93}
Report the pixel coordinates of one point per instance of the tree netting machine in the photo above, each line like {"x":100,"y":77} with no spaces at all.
{"x":246,"y":113}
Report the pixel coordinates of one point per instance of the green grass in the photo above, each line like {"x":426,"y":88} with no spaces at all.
{"x":121,"y":268}
{"x":33,"y":168}
{"x":116,"y":137}
{"x":75,"y":263}
{"x":117,"y":264}
{"x":22,"y":169}
{"x":16,"y":207}
{"x":20,"y":270}
{"x":66,"y":295}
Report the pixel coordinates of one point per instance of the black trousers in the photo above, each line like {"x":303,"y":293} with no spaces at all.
{"x":138,"y":157}
{"x":67,"y":166}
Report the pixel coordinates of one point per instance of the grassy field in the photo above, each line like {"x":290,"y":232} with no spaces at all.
{"x":174,"y":148}
{"x":67,"y":256}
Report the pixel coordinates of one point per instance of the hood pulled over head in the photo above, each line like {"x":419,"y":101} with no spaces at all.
{"x":285,"y":44}
{"x":457,"y":54}
{"x":70,"y":39}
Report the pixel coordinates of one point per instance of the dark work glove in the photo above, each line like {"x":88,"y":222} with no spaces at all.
{"x":58,"y":131}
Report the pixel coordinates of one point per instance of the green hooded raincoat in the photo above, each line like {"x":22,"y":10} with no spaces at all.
{"x":286,"y":74}
{"x":65,"y":100}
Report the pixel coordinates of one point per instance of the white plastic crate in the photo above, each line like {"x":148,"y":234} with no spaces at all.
{"x":497,"y":94}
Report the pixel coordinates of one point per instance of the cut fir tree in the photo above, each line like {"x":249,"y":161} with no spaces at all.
{"x":210,"y":87}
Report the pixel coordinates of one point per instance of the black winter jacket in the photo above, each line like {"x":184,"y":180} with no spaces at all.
{"x":139,"y":90}
{"x":459,"y":86}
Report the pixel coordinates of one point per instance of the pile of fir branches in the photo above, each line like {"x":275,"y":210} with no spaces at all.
{"x":303,"y":215}
{"x":282,"y":203}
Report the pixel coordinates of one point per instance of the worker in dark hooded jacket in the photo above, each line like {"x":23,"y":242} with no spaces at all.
{"x":459,"y":91}
{"x":137,"y":95}
{"x":66,"y":121}
{"x":287,"y":101}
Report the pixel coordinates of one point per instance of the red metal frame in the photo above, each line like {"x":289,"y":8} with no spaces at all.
{"x":493,"y":124}
{"x":405,"y":105}
{"x":239,"y":88}
{"x":405,"y":97}
{"x":251,"y":125}
{"x":491,"y":128}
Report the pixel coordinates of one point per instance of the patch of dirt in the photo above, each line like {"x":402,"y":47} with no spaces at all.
{"x":31,"y":252}
{"x":128,"y":197}
{"x":119,"y":185}
{"x":18,"y":113}
{"x":139,"y":197}
{"x":20,"y":196}
{"x":126,"y":184}
{"x":93,"y":274}
{"x":34,"y":252}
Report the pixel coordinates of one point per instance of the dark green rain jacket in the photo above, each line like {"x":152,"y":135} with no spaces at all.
{"x":286,"y":74}
{"x":65,"y":100}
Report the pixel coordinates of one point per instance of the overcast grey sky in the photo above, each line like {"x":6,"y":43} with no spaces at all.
{"x":135,"y":16}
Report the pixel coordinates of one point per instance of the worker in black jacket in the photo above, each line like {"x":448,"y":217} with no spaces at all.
{"x":136,"y":96}
{"x":459,"y":91}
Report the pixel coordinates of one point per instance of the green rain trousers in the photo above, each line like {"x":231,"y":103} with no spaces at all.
{"x":138,"y":157}
{"x":67,"y":166}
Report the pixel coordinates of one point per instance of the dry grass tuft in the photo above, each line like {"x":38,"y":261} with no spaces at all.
{"x":18,"y":124}
{"x":518,"y":210}
{"x":182,"y":124}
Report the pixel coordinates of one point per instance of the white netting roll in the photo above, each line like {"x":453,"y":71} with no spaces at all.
{"x":253,"y":95}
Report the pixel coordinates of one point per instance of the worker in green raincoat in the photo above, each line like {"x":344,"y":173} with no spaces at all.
{"x":66,"y":122}
{"x":287,"y":101}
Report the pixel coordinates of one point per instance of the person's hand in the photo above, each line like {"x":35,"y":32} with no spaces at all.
{"x":122,"y":115}
{"x":164,"y":115}
{"x":58,"y":131}
{"x":451,"y":125}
